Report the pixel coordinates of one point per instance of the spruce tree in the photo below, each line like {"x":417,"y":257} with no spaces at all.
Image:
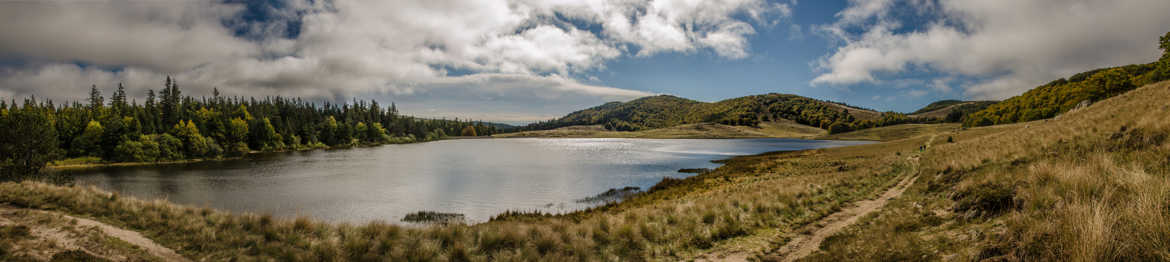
{"x":95,"y":99}
{"x":118,"y":100}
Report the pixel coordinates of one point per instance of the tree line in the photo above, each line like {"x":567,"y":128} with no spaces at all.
{"x":169,"y":126}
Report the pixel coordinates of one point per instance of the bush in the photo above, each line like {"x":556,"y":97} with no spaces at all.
{"x":986,"y":199}
{"x":838,"y":127}
{"x":134,"y":151}
{"x":238,"y":149}
{"x":88,"y":143}
{"x":169,"y":147}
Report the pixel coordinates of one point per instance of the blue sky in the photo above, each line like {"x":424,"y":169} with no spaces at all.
{"x":518,"y":61}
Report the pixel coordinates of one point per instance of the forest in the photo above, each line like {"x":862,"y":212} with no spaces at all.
{"x":169,"y":126}
{"x":1062,"y":95}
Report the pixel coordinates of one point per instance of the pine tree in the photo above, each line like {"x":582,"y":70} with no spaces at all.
{"x":170,"y":106}
{"x":95,"y":99}
{"x":118,"y":100}
{"x":1164,"y":44}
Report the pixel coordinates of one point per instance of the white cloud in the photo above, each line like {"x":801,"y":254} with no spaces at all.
{"x":166,"y":36}
{"x":1014,"y":45}
{"x":942,"y":84}
{"x":464,"y":51}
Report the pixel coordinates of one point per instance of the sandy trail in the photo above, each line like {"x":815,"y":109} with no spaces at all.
{"x":132,"y":237}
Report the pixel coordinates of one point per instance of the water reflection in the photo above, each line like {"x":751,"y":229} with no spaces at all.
{"x":478,"y":178}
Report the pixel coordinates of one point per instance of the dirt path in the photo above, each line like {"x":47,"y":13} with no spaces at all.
{"x":132,"y":237}
{"x":805,"y":244}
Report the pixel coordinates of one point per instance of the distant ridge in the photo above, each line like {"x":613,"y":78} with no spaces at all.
{"x":667,"y":111}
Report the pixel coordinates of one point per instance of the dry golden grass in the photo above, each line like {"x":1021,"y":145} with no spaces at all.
{"x":895,"y":132}
{"x":1090,"y":185}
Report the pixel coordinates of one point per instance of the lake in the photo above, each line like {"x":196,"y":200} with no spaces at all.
{"x":475,"y":177}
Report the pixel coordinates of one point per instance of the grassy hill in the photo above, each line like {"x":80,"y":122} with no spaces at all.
{"x":668,"y":111}
{"x":1089,"y":186}
{"x":937,"y":105}
{"x":951,"y":111}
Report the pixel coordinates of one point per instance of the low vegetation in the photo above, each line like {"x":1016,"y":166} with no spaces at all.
{"x":890,"y":133}
{"x":431,"y":217}
{"x":1090,"y":186}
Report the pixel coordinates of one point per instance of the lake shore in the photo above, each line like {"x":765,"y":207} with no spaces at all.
{"x":194,"y":224}
{"x":690,"y":131}
{"x":84,"y":163}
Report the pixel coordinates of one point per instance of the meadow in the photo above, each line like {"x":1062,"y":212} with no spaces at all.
{"x":1089,"y":185}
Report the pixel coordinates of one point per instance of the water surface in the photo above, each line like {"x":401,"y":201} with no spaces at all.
{"x":475,"y":177}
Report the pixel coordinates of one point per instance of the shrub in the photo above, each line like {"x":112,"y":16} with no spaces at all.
{"x":986,"y":199}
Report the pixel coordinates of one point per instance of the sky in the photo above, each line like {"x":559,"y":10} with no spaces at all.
{"x":517,"y":61}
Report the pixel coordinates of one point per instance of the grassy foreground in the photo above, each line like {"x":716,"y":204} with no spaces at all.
{"x":1090,"y":185}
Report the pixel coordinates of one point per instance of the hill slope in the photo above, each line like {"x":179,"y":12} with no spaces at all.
{"x":1089,"y":186}
{"x":951,"y":110}
{"x":937,"y":105}
{"x":668,"y":111}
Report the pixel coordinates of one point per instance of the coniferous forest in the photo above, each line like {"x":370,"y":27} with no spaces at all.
{"x":169,"y":126}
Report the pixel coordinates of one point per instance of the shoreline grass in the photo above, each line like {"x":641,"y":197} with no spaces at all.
{"x":773,"y":190}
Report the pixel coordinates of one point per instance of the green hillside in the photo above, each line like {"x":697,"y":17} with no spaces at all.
{"x":951,"y":111}
{"x":1062,"y":95}
{"x":667,"y":111}
{"x":937,"y":105}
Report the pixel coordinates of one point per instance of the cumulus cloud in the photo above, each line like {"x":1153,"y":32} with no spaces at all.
{"x":166,"y":36}
{"x":469,"y":55}
{"x":1011,"y":45}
